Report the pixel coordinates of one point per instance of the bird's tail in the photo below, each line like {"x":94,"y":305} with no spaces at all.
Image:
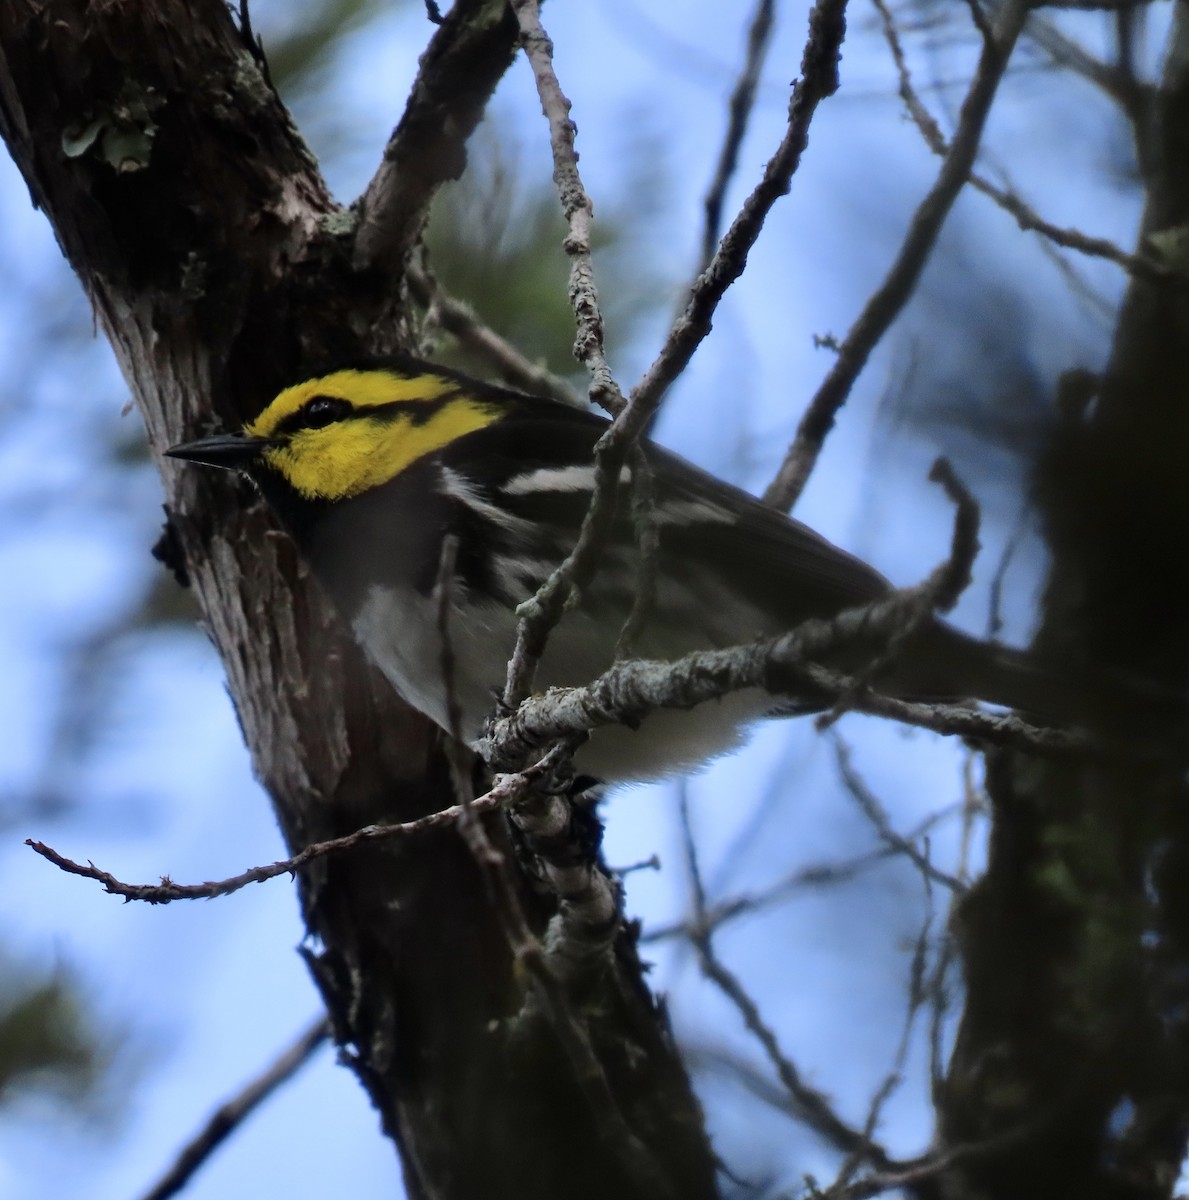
{"x":949,"y":663}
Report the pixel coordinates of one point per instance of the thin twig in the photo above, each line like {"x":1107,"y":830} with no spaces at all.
{"x":809,"y":1105}
{"x":1100,"y":307}
{"x":906,"y":1173}
{"x":628,"y":691}
{"x":938,"y":594}
{"x":995,"y":590}
{"x":504,"y":789}
{"x":739,"y":109}
{"x":819,"y":79}
{"x":875,"y":813}
{"x":917,"y":995}
{"x":1070,"y":55}
{"x":651,"y":863}
{"x":816,"y":875}
{"x":952,"y":578}
{"x":1027,"y":218}
{"x":922,"y":118}
{"x":576,"y":206}
{"x":914,"y":1172}
{"x":693,"y":868}
{"x":229,"y":1116}
{"x":460,"y":321}
{"x":166,"y":891}
{"x":889,"y":299}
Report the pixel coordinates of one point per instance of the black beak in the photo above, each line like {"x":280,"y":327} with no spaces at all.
{"x":231,"y":451}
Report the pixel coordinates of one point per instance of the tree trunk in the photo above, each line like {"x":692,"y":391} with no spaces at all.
{"x":1070,"y":1075}
{"x":221,"y":269}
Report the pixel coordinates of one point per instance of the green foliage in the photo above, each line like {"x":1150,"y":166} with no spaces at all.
{"x":299,"y":55}
{"x":47,"y":1042}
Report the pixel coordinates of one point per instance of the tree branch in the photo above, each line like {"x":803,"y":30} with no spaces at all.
{"x":167,"y":891}
{"x":460,"y":320}
{"x":739,"y":108}
{"x":229,"y":1116}
{"x":806,"y":1103}
{"x":470,"y":51}
{"x":576,"y":207}
{"x":815,"y":876}
{"x":627,"y":692}
{"x":889,"y":299}
{"x":1025,"y":216}
{"x":819,"y":66}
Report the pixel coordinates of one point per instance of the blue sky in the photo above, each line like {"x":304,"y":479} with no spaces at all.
{"x":210,"y":992}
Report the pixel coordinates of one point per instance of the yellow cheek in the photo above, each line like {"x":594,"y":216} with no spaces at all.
{"x":352,"y":456}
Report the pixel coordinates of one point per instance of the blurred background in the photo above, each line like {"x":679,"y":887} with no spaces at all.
{"x":123,"y":1026}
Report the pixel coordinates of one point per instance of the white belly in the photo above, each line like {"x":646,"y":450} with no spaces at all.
{"x":399,"y":629}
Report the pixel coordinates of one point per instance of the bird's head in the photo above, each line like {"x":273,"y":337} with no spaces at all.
{"x":344,"y":433}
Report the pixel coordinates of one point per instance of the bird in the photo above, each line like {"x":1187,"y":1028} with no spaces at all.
{"x":373,"y":465}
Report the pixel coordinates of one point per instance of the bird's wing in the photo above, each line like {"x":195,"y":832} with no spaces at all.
{"x":765,"y":552}
{"x":541,"y":466}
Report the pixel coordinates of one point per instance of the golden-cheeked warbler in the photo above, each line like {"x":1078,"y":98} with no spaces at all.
{"x":371,"y":467}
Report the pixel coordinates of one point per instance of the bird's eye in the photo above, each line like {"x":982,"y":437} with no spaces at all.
{"x":324,"y":410}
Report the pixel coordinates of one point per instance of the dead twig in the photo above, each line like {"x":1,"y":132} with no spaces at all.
{"x":889,"y":299}
{"x":230,"y":1115}
{"x":808,"y":1104}
{"x":628,"y":691}
{"x":819,"y":79}
{"x":814,"y":876}
{"x":739,"y":109}
{"x":939,"y":593}
{"x":167,"y":891}
{"x":877,"y":815}
{"x":576,"y":206}
{"x":1068,"y":54}
{"x":460,"y":321}
{"x":1026,"y":217}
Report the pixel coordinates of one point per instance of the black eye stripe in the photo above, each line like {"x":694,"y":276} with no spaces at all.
{"x":324,"y":410}
{"x":321,"y":411}
{"x":416,"y":411}
{"x":316,"y":413}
